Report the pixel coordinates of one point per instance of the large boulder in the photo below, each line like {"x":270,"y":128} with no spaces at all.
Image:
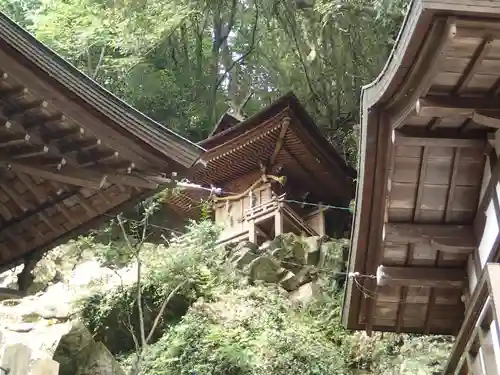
{"x":78,"y":354}
{"x":243,"y":254}
{"x":288,"y":260}
{"x":266,"y":269}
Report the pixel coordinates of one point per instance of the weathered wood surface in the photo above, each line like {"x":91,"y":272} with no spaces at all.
{"x":443,"y":119}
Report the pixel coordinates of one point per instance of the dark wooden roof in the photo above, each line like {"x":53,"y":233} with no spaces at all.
{"x":70,"y":151}
{"x":226,"y":121}
{"x":425,"y":126}
{"x":282,"y":137}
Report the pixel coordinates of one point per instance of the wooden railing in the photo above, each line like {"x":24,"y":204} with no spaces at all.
{"x":263,"y":209}
{"x":477,"y":346}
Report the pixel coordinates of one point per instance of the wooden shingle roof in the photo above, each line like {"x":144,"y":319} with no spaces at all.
{"x":70,"y":152}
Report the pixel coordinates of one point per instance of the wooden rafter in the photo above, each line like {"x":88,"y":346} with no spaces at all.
{"x":443,"y":106}
{"x":473,"y":66}
{"x":91,"y":179}
{"x":302,"y":168}
{"x":280,"y":140}
{"x":403,"y":295}
{"x":452,"y":183}
{"x":402,"y":139}
{"x":429,"y":68}
{"x":432,"y":277}
{"x":434,"y":123}
{"x":73,"y":109}
{"x":444,"y":237}
{"x":488,"y":120}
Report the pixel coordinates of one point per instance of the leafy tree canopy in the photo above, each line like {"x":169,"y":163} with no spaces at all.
{"x":185,"y":62}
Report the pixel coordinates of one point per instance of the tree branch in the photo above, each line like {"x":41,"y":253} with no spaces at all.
{"x":162,"y":309}
{"x":99,"y":62}
{"x":246,"y":54}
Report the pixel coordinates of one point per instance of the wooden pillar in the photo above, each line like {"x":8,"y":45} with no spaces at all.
{"x":278,"y":222}
{"x":252,"y":232}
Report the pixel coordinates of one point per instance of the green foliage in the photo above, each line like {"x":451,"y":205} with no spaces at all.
{"x":184,"y":62}
{"x":220,"y":325}
{"x":112,"y":314}
{"x":247,"y":331}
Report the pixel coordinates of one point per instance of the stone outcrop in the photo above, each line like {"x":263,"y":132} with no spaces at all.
{"x":78,"y":354}
{"x":45,"y":321}
{"x":290,"y":261}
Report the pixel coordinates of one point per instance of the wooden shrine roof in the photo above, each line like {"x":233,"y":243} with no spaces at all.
{"x":282,"y":137}
{"x":425,"y":125}
{"x":70,"y":151}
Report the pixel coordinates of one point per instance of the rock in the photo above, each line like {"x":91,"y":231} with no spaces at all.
{"x":266,"y":269}
{"x":31,"y":317}
{"x":244,"y":253}
{"x":293,"y":281}
{"x":78,"y":354}
{"x":21,"y":327}
{"x":60,"y":312}
{"x":312,"y":250}
{"x":97,"y":360}
{"x":305,"y":293}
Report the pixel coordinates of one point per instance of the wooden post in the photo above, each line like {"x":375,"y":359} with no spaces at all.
{"x":278,"y":223}
{"x":16,"y":359}
{"x":252,"y":232}
{"x":45,"y":367}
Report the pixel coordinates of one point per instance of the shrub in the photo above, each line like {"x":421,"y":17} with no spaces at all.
{"x":249,"y":331}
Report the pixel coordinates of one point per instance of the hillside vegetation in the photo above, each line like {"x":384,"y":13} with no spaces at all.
{"x":215,"y":320}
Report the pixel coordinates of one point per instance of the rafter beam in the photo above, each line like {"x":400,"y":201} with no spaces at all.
{"x":443,"y":106}
{"x":91,"y":179}
{"x":424,"y":70}
{"x":431,"y":277}
{"x":446,"y":238}
{"x":407,"y":139}
{"x":279,"y":141}
{"x":474,"y":64}
{"x":488,"y":120}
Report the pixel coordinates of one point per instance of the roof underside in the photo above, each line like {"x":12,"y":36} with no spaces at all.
{"x":70,"y":152}
{"x":426,"y":121}
{"x":282,"y":142}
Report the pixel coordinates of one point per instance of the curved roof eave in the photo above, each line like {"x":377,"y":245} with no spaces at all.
{"x":111,"y":106}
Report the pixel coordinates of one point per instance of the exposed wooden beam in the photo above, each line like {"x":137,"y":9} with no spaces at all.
{"x":474,"y":64}
{"x":8,"y":93}
{"x":384,"y":156}
{"x":488,"y":120}
{"x":432,"y":277}
{"x":443,"y":106}
{"x":402,"y":139}
{"x":31,"y":152}
{"x":13,"y":113}
{"x":421,"y":181}
{"x":92,"y":179}
{"x":434,"y":123}
{"x":14,"y":140}
{"x":39,"y":195}
{"x":306,"y":172}
{"x":424,"y":70}
{"x":452,"y":184}
{"x":446,"y":238}
{"x":430,"y":306}
{"x":403,"y":295}
{"x":280,"y":140}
